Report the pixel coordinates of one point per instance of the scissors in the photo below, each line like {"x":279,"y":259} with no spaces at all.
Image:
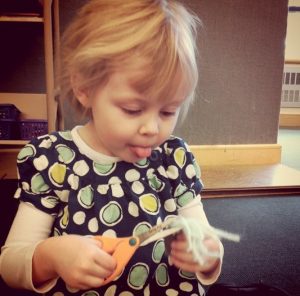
{"x":122,"y":249}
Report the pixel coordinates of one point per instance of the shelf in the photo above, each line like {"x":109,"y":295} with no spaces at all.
{"x":13,"y":142}
{"x":37,"y":108}
{"x":41,"y":106}
{"x":249,"y":180}
{"x":22,"y":17}
{"x":8,"y":167}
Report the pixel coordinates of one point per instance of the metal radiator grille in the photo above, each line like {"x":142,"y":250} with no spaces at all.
{"x":290,"y":95}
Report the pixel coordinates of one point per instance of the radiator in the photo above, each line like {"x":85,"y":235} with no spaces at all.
{"x":290,"y":95}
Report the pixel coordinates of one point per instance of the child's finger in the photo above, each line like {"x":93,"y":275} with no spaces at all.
{"x":106,"y":261}
{"x":181,"y":236}
{"x":99,"y":271}
{"x":179,"y":245}
{"x":182,"y":256}
{"x":186,"y":265}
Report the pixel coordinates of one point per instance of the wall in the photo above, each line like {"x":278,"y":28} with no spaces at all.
{"x":292,"y":50}
{"x":241,"y":64}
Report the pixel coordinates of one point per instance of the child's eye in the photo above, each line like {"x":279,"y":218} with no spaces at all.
{"x":132,"y":111}
{"x":168,"y":113}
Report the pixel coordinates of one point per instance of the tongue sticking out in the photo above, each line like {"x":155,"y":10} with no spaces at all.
{"x":141,"y":152}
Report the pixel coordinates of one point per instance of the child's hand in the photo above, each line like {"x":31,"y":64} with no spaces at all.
{"x":184,"y":260}
{"x":78,"y":260}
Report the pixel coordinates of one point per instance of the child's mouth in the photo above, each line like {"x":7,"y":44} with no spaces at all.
{"x":141,"y":152}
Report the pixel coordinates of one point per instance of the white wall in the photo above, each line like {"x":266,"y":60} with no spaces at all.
{"x":292,"y":46}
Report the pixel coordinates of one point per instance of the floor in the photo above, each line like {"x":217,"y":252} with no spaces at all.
{"x":289,"y":139}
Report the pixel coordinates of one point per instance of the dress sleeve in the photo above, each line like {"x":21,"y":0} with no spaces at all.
{"x":35,"y":184}
{"x":183,"y":172}
{"x":209,"y":279}
{"x":29,"y":228}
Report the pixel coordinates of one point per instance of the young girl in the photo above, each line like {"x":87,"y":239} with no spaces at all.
{"x":130,"y":66}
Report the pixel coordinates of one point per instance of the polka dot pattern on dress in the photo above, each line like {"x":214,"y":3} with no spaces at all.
{"x":116,"y":199}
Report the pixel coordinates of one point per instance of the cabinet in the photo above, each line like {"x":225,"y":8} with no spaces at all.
{"x":39,"y":104}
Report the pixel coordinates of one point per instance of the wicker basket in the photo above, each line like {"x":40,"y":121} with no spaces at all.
{"x":9,"y":129}
{"x":9,"y":111}
{"x":32,"y":128}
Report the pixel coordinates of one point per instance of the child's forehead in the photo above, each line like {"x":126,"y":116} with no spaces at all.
{"x":152,"y":81}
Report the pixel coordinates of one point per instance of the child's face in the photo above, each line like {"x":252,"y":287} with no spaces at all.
{"x":125,"y":123}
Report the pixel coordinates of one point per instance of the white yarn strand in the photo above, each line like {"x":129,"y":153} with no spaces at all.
{"x":196,"y":232}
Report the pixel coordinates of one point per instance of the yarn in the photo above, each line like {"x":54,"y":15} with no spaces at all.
{"x":196,"y":232}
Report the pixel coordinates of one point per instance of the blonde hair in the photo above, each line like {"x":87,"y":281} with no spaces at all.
{"x":107,"y":34}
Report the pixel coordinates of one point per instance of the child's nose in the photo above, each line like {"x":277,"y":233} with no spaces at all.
{"x":150,"y":126}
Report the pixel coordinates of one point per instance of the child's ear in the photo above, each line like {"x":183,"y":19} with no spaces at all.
{"x":80,"y":93}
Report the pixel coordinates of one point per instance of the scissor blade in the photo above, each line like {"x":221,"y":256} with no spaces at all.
{"x":157,"y":232}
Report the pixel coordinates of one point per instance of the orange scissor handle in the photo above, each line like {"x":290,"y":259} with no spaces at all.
{"x":122,"y":249}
